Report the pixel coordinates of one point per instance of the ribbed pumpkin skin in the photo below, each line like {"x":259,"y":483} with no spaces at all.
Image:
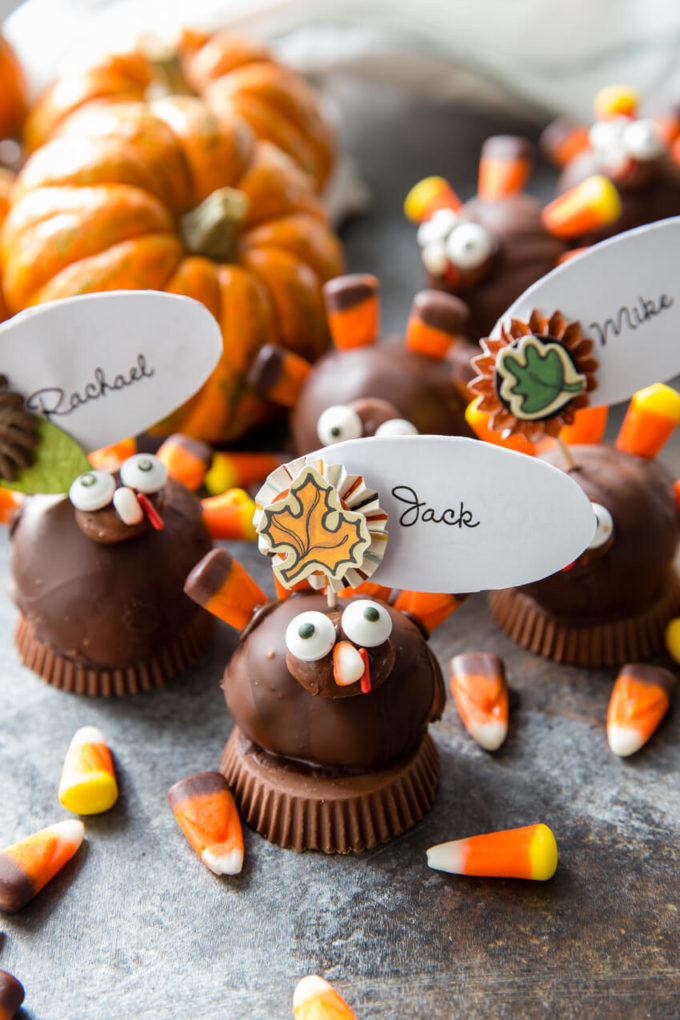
{"x":98,"y":207}
{"x":6,"y":182}
{"x":13,"y":92}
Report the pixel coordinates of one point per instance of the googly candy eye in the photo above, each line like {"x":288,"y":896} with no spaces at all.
{"x":642,"y":140}
{"x":143,"y":472}
{"x":338,"y":423}
{"x":92,"y":490}
{"x":469,"y":245}
{"x":396,"y":427}
{"x":310,"y":636}
{"x":605,"y":526}
{"x":366,"y":623}
{"x":434,"y":258}
{"x":437,"y":228}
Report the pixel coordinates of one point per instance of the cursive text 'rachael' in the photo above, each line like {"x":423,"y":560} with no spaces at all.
{"x":52,"y":400}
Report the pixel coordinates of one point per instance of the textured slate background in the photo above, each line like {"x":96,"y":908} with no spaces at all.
{"x":135,"y":927}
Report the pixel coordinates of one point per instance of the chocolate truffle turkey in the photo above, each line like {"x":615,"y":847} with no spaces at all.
{"x":610,"y":606}
{"x":331,"y":694}
{"x":490,"y":249}
{"x":640,"y":154}
{"x":365,"y":388}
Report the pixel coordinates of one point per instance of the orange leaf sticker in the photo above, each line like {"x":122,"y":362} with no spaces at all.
{"x":312,"y":531}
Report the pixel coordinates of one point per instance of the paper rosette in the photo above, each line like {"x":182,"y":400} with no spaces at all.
{"x":321,"y":524}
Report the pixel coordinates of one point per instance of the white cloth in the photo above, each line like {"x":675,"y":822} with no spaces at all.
{"x":547,"y":55}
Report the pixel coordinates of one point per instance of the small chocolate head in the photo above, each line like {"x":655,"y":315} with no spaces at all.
{"x":114,"y":507}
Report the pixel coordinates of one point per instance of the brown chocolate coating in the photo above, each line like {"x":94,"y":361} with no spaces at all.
{"x":631,"y":573}
{"x":105,"y":606}
{"x":525,"y":251}
{"x":651,"y":193}
{"x":422,"y":390}
{"x":358,"y":733}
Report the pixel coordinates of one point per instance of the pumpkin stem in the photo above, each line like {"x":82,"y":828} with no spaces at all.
{"x":212,"y":228}
{"x":168,"y":77}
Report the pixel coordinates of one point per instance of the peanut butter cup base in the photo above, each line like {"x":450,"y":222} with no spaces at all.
{"x":598,"y":644}
{"x":76,"y":678}
{"x":304,"y":808}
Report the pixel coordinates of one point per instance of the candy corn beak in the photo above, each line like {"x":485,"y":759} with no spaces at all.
{"x":315,"y":999}
{"x":348,"y":665}
{"x":529,"y":852}
{"x":589,"y":206}
{"x":640,"y":698}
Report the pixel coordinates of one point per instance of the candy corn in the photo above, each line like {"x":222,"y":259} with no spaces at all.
{"x":353,"y":310}
{"x":315,"y":999}
{"x":650,"y":419}
{"x":108,"y":458}
{"x":431,"y":610}
{"x":9,"y":504}
{"x":436,"y":321}
{"x":206,"y":813}
{"x":592,"y":204}
{"x":563,"y":140}
{"x":278,"y":374}
{"x":11,"y":995}
{"x":239,"y":470}
{"x":616,"y":101}
{"x":219,"y":583}
{"x":639,"y":701}
{"x":427,"y":196}
{"x":230,"y":516}
{"x":588,"y":426}
{"x":504,"y":167}
{"x":529,"y":852}
{"x":480,"y":691}
{"x":88,"y":782}
{"x":478,"y":421}
{"x":27,"y":866}
{"x":186,"y":459}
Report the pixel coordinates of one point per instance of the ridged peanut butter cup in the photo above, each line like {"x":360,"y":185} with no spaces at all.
{"x":608,"y":643}
{"x":76,"y":678}
{"x":303,"y":808}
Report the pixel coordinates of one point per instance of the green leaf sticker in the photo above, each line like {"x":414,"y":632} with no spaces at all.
{"x":58,"y":461}
{"x":536,"y":378}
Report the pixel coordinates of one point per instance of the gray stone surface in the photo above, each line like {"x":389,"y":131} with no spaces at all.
{"x":135,"y":926}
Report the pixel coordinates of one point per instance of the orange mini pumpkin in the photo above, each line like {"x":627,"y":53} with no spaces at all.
{"x":233,"y":75}
{"x":13,"y":92}
{"x":170,"y":195}
{"x":6,"y":182}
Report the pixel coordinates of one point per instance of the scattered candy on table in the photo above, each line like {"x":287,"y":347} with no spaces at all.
{"x":480,"y":692}
{"x":528,"y":852}
{"x":239,"y":470}
{"x":230,"y":515}
{"x":88,"y":780}
{"x":11,"y":995}
{"x":206,"y":813}
{"x":28,"y":865}
{"x":640,"y":699}
{"x":315,"y":999}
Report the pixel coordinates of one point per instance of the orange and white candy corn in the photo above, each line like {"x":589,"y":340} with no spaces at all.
{"x":429,"y":608}
{"x":109,"y":458}
{"x":436,"y":321}
{"x":230,"y":515}
{"x":27,"y":866}
{"x":616,"y":101}
{"x":528,"y":852}
{"x":504,"y":166}
{"x":353,"y":310}
{"x":480,"y":692}
{"x":88,"y":781}
{"x":428,"y":196}
{"x":640,"y":699}
{"x":563,"y":140}
{"x":219,"y":583}
{"x":479,"y":422}
{"x":652,"y":415}
{"x":277,"y":375}
{"x":592,"y":204}
{"x":315,"y":999}
{"x":186,"y":459}
{"x":239,"y":470}
{"x":205,"y":811}
{"x":11,"y":995}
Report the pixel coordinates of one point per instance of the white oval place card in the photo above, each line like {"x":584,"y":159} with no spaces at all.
{"x":466,"y":516}
{"x":107,"y":366}
{"x":625,"y":292}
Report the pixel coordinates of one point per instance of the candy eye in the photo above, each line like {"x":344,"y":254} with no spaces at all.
{"x":92,"y":490}
{"x":605,"y":526}
{"x":143,"y":472}
{"x":396,"y":427}
{"x":642,"y":140}
{"x":310,"y":636}
{"x":366,"y":623}
{"x":434,"y":258}
{"x":437,"y":228}
{"x":469,"y":245}
{"x":338,"y":423}
{"x":606,"y":135}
